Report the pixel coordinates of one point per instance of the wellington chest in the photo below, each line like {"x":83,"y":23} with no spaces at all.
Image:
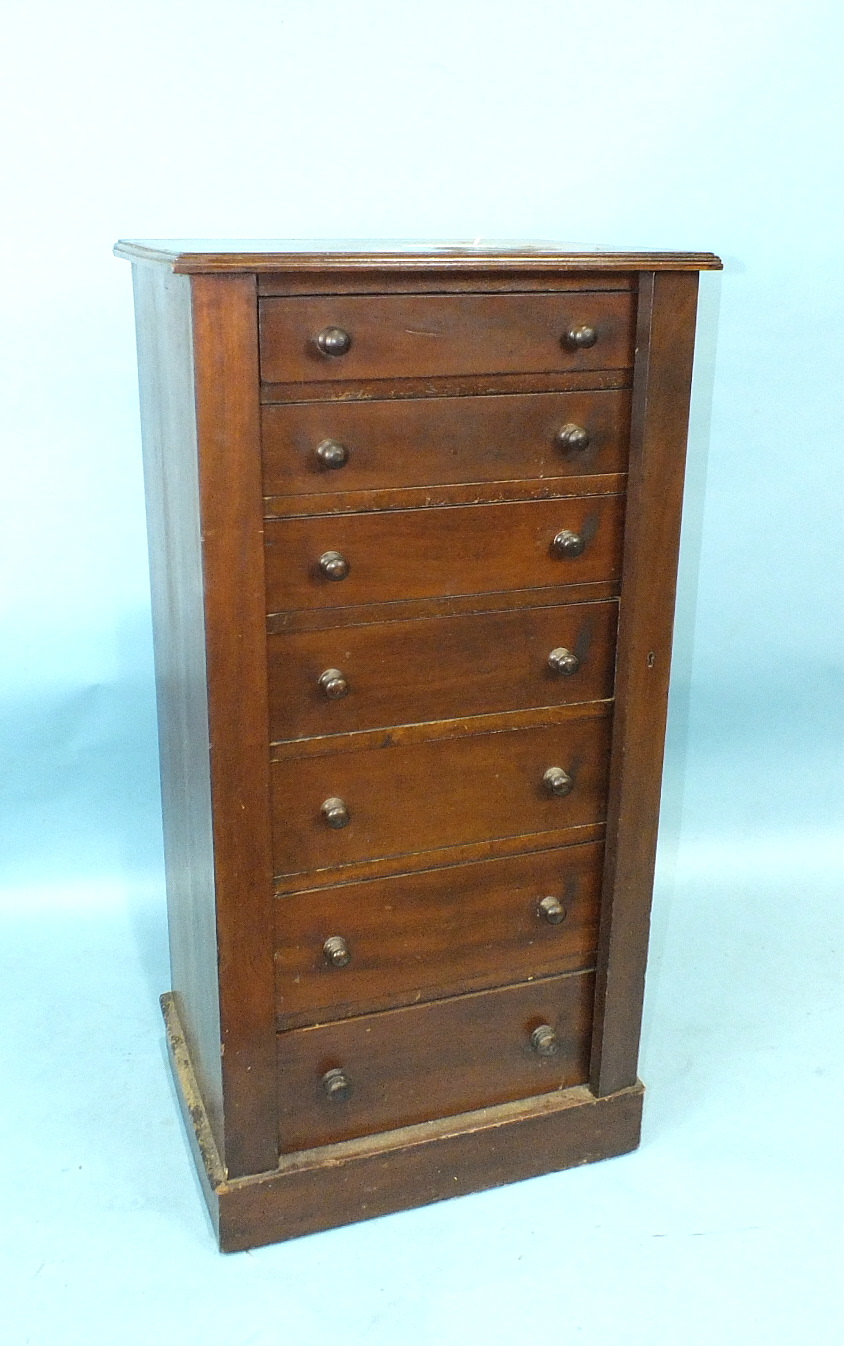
{"x":414,"y":514}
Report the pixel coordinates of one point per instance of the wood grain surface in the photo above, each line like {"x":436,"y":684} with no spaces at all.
{"x":422,"y":335}
{"x":423,"y":795}
{"x":432,"y":441}
{"x":436,"y":933}
{"x":436,"y":669}
{"x":231,"y":519}
{"x":469,"y":549}
{"x":434,"y":1060}
{"x":665,"y":344}
{"x":171,"y":483}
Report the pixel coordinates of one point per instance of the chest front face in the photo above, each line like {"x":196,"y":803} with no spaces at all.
{"x":413,"y":542}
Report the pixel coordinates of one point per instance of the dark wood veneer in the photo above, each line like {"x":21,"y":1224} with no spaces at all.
{"x":439,"y":668}
{"x":426,"y":795}
{"x":465,"y":549}
{"x":435,"y":441}
{"x":458,"y":927}
{"x":397,"y":335}
{"x":426,"y":1061}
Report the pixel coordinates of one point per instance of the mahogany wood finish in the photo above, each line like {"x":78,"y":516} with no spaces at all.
{"x":410,"y":796}
{"x":665,"y":344}
{"x":391,"y":336}
{"x":439,"y":668}
{"x":426,"y":1061}
{"x":431,"y":795}
{"x":364,"y":614}
{"x":434,"y":441}
{"x":437,"y":932}
{"x":394,"y":555}
{"x":163,"y":322}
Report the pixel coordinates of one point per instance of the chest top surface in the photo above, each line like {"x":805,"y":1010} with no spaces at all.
{"x":201,"y":255}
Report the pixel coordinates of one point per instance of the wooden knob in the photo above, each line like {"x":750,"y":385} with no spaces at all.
{"x":335,"y":813}
{"x":560,"y":661}
{"x":333,"y":341}
{"x":333,"y":684}
{"x":572,"y":438}
{"x":551,"y":910}
{"x":336,"y":951}
{"x":332,"y":454}
{"x":544,"y":1040}
{"x":567,"y":545}
{"x":557,"y":782}
{"x":580,"y":338}
{"x":337,"y":1085}
{"x":334,"y":565}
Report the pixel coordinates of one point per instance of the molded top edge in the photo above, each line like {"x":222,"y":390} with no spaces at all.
{"x":199,"y":256}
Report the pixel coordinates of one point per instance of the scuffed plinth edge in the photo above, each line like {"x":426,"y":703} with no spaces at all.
{"x":398,"y":1170}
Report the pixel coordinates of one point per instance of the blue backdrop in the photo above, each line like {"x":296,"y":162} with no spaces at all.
{"x":706,"y":127}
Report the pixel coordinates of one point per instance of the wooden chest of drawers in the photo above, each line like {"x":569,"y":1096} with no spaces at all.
{"x":413,"y":520}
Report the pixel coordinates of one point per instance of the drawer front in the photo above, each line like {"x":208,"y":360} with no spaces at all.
{"x":440,"y":441}
{"x":424,"y":553}
{"x":420,"y":796}
{"x":418,"y":336}
{"x":435,"y":1060}
{"x":439,"y":668}
{"x":444,"y":930}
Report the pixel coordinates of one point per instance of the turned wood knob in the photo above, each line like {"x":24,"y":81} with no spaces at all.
{"x":336,"y":951}
{"x":567,"y":544}
{"x":332,"y":454}
{"x":337,"y":1085}
{"x":333,"y":684}
{"x":561,"y":661}
{"x":333,"y":341}
{"x":334,"y":565}
{"x":580,"y":338}
{"x":552,"y":910}
{"x":556,"y":781}
{"x":572,"y":438}
{"x":335,"y":813}
{"x":544,"y":1040}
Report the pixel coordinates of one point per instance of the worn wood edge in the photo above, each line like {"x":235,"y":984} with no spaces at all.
{"x":189,"y":1094}
{"x":440,"y":857}
{"x":315,"y":504}
{"x":445,"y":386}
{"x":294,"y":620}
{"x":206,"y":1156}
{"x":438,"y":259}
{"x":340,"y":1012}
{"x":540,"y":848}
{"x":418,"y":1165}
{"x":433,"y":731}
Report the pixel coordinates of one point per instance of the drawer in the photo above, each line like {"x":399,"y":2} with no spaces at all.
{"x":419,"y":336}
{"x":439,"y":668}
{"x":313,"y":447}
{"x":435,"y":1060}
{"x":422,"y":553}
{"x":407,"y":797}
{"x":445,"y":930}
